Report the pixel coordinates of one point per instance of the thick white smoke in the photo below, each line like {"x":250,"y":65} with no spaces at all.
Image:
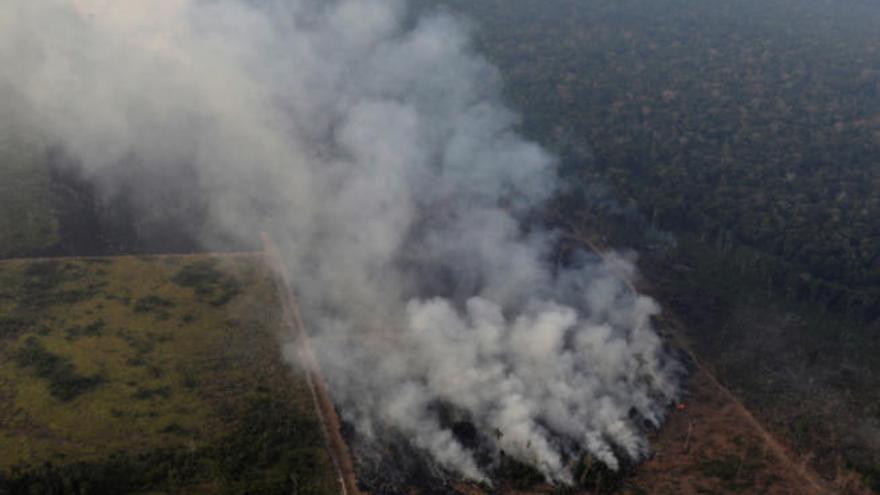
{"x":377,"y":153}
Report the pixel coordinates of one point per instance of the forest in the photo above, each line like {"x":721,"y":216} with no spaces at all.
{"x":743,"y":124}
{"x":736,"y":147}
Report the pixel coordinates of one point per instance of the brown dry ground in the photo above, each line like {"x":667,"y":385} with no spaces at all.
{"x":713,"y":446}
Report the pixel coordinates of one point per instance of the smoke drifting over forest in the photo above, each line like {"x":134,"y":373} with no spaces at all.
{"x":376,"y":151}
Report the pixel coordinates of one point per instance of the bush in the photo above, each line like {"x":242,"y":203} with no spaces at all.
{"x":596,"y":477}
{"x":64,"y":382}
{"x":521,"y":476}
{"x":201,"y":275}
{"x":13,"y":326}
{"x":208,"y":282}
{"x":93,"y":330}
{"x":151,"y":304}
{"x":149,"y":393}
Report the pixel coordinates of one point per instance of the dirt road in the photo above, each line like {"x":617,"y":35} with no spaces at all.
{"x":323,"y":404}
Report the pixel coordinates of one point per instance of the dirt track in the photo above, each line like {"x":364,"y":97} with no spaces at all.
{"x":323,"y":404}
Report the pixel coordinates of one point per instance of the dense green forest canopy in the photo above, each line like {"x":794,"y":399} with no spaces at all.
{"x":754,"y":123}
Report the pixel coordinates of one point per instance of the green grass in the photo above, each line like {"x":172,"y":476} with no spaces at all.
{"x":208,"y":282}
{"x":58,"y":372}
{"x":116,"y":377}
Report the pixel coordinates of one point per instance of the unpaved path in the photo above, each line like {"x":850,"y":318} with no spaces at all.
{"x":323,"y":404}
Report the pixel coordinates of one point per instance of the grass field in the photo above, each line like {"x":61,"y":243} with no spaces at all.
{"x":151,"y":375}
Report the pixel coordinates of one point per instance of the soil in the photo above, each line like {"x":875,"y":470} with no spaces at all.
{"x":712,"y":444}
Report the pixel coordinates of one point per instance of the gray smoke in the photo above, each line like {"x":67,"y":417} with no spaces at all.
{"x":377,"y":153}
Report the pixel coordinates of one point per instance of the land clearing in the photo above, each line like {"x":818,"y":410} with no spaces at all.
{"x":710,"y":445}
{"x":152,"y":374}
{"x":169,"y":366}
{"x":713,"y":443}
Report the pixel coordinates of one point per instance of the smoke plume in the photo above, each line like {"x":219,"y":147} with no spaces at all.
{"x":376,"y":151}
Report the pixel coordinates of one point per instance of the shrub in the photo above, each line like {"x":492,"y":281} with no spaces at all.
{"x":152,"y":303}
{"x":13,"y":326}
{"x":92,"y":330}
{"x":208,"y":282}
{"x":64,"y":382}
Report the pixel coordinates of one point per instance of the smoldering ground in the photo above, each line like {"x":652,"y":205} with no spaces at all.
{"x":376,"y":151}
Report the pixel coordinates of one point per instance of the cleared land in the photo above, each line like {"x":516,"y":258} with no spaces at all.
{"x":151,"y":375}
{"x":714,"y":446}
{"x":710,"y":446}
{"x":163,"y":375}
{"x":712,"y":443}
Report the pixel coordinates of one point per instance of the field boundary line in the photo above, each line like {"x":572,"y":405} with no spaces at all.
{"x":324,"y":407}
